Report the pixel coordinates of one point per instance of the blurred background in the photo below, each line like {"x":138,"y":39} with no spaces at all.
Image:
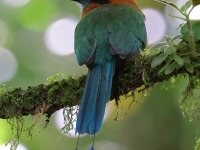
{"x":36,"y":41}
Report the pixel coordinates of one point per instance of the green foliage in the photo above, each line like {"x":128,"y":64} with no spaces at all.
{"x":183,"y":55}
{"x":171,"y":57}
{"x":181,"y":52}
{"x":57,"y":77}
{"x":185,"y":11}
{"x":182,"y":10}
{"x":2,"y":89}
{"x":197,"y":146}
{"x":185,"y":7}
{"x":196,"y":31}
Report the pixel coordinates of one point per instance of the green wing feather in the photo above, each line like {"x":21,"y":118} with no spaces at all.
{"x":106,"y":28}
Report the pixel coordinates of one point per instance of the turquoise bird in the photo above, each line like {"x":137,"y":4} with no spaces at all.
{"x":109,"y":31}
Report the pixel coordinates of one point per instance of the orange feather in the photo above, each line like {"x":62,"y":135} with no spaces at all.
{"x":94,"y":5}
{"x":89,"y":8}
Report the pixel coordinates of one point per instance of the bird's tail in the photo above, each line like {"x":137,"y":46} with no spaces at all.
{"x":96,"y":94}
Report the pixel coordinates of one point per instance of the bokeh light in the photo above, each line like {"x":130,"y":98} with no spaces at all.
{"x":155,"y":24}
{"x":59,"y":36}
{"x":4,"y":32}
{"x":195,"y":14}
{"x":15,"y":3}
{"x":7,"y":147}
{"x":59,"y":120}
{"x":8,"y":65}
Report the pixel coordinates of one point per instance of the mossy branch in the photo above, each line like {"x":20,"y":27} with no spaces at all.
{"x":67,"y":91}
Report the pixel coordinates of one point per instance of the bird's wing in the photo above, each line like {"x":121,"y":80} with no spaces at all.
{"x":122,"y":25}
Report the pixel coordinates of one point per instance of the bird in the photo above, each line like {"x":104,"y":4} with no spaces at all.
{"x":109,"y":31}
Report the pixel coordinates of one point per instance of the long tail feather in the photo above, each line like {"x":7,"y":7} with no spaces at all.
{"x":96,"y":95}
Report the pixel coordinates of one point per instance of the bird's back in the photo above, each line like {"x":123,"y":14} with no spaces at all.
{"x":106,"y":29}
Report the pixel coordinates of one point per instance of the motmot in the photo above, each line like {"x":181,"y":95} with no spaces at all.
{"x":108,"y":32}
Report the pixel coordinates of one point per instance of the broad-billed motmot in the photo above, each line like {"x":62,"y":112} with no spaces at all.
{"x":108,"y":32}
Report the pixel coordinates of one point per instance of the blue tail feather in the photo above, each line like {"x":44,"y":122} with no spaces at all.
{"x":86,"y":103}
{"x":96,"y":94}
{"x":91,"y":148}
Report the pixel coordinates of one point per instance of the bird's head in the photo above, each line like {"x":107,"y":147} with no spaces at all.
{"x":85,"y":3}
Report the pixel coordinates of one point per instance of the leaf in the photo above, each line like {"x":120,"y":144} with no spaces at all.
{"x":173,"y":6}
{"x":189,"y":68}
{"x":195,"y":2}
{"x":168,"y":3}
{"x":158,"y":45}
{"x":185,"y":7}
{"x":186,"y":59}
{"x":169,"y":50}
{"x":176,"y":37}
{"x":158,"y":60}
{"x":171,"y":68}
{"x":165,"y":66}
{"x":195,"y":29}
{"x":197,"y":65}
{"x":177,"y":41}
{"x":168,"y":38}
{"x":179,"y":60}
{"x":184,"y":32}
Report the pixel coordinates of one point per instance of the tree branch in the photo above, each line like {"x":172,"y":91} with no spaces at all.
{"x":48,"y":98}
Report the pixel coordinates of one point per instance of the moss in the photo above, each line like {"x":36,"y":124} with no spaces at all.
{"x":65,"y":91}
